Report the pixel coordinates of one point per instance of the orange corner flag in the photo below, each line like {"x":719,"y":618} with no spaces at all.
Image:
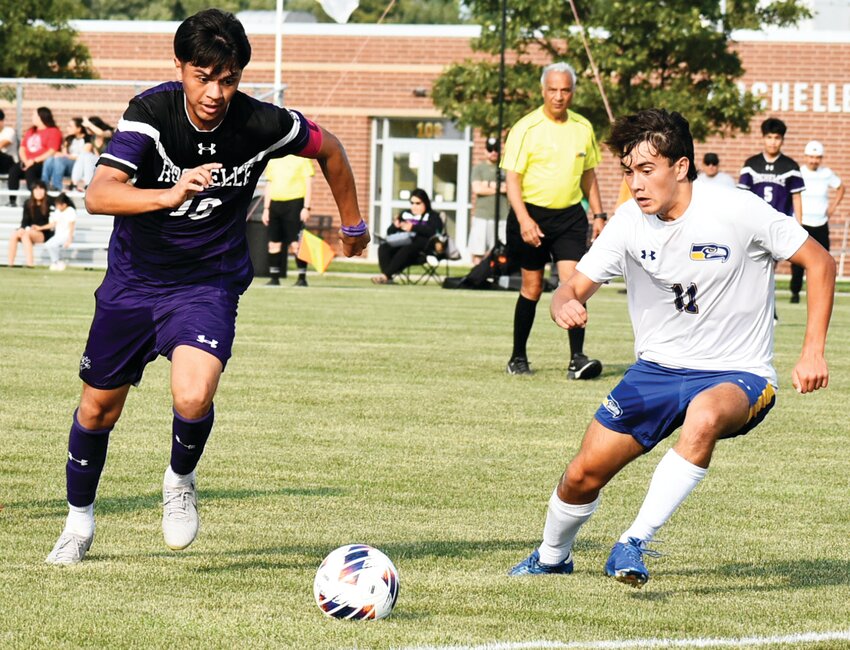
{"x":315,"y":250}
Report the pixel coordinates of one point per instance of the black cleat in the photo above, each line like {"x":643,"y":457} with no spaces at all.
{"x":519,"y":366}
{"x":583,"y":368}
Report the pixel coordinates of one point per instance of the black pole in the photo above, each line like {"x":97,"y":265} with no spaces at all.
{"x":501,"y":121}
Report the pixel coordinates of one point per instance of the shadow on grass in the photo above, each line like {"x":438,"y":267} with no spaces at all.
{"x":292,"y":557}
{"x":614,"y":369}
{"x":152,"y":500}
{"x":755,"y":578}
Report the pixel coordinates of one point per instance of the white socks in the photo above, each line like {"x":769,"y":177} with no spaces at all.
{"x":563,"y":521}
{"x":172,"y":479}
{"x":80,"y":521}
{"x":673,"y":480}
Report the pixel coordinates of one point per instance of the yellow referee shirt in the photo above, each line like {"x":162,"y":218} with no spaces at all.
{"x":551,"y":156}
{"x":288,"y":176}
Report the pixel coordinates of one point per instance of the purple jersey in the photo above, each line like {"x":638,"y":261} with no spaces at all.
{"x":775,"y":181}
{"x":202,"y":242}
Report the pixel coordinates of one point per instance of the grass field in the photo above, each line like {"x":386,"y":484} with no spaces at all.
{"x":353,"y":413}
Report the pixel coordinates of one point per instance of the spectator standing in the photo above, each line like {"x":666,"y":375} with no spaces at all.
{"x":817,"y":207}
{"x":547,"y":222}
{"x":286,"y":207}
{"x":711,"y":173}
{"x":9,"y":156}
{"x":407,"y":237}
{"x":179,"y":259}
{"x":487,"y":182}
{"x":63,"y":221}
{"x":77,"y":141}
{"x":39,"y":143}
{"x":35,"y":224}
{"x":772,"y":175}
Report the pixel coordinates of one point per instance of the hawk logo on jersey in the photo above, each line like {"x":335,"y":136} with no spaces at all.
{"x":709,"y":252}
{"x":85,"y":363}
{"x":209,"y":148}
{"x":612,"y":407}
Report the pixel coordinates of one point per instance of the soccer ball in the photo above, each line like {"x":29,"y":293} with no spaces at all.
{"x":356,"y":581}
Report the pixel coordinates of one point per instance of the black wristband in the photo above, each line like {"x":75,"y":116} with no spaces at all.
{"x":601,"y":215}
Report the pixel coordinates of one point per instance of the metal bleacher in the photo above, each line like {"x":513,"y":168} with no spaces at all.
{"x":91,"y":235}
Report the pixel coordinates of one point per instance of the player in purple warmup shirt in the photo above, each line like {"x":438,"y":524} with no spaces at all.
{"x":178,"y":256}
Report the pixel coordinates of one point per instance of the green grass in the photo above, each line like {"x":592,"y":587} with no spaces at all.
{"x":353,"y":413}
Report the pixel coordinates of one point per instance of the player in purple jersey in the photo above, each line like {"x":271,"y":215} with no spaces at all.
{"x":772,"y":175}
{"x":178,"y":257}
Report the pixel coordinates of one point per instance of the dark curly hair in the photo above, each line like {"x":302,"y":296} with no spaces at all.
{"x":668,"y":133}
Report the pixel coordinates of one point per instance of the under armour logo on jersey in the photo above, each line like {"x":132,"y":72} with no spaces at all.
{"x":644,"y":254}
{"x":82,"y":462}
{"x":177,"y":438}
{"x":211,"y":342}
{"x":206,"y":148}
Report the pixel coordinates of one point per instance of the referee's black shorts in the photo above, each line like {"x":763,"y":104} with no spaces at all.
{"x":566,"y":233}
{"x":285,"y":221}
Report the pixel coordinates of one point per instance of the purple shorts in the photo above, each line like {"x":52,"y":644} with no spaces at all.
{"x":131,"y":327}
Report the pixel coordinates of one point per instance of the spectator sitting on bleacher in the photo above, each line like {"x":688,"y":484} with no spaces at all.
{"x":77,"y":141}
{"x":101,"y":134}
{"x":40,"y":142}
{"x":35,"y":224}
{"x":63,"y":220}
{"x":9,"y":154}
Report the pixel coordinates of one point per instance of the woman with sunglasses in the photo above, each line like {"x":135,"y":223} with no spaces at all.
{"x":408,"y":235}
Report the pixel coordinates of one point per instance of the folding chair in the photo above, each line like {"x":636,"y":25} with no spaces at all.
{"x":440,"y":249}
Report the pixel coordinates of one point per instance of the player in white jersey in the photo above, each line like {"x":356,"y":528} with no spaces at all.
{"x":698,"y":265}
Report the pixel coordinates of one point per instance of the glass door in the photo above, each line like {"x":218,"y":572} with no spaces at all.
{"x":438,"y":166}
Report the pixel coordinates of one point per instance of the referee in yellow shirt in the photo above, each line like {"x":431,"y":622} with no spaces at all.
{"x":550,"y":160}
{"x":286,"y":206}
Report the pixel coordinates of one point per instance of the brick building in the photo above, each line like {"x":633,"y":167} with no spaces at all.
{"x":370,"y":85}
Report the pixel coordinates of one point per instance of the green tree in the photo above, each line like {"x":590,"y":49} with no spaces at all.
{"x":409,"y":12}
{"x":369,"y":11}
{"x":36,"y":40}
{"x":674,"y":54}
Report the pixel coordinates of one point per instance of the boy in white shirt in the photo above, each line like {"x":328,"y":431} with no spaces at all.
{"x":64,"y":220}
{"x":817,"y":208}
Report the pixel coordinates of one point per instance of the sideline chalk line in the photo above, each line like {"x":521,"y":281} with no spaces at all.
{"x":624,"y":644}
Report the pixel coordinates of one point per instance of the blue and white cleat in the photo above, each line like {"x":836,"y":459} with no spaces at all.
{"x":625,"y":564}
{"x":531,"y":566}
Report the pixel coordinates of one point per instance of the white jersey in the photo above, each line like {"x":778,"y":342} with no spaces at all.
{"x":700,"y":288}
{"x":720,"y":178}
{"x":816,"y":196}
{"x":62,"y":220}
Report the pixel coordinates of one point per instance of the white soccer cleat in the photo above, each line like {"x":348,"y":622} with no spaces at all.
{"x":70,"y":549}
{"x":180,"y":520}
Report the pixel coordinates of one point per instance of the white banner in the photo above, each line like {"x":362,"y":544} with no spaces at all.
{"x":339,"y":10}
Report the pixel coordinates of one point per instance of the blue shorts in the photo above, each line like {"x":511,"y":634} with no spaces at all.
{"x":651,"y":401}
{"x":131,"y":327}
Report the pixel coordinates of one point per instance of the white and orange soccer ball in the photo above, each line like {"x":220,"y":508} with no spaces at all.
{"x":356,"y":581}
